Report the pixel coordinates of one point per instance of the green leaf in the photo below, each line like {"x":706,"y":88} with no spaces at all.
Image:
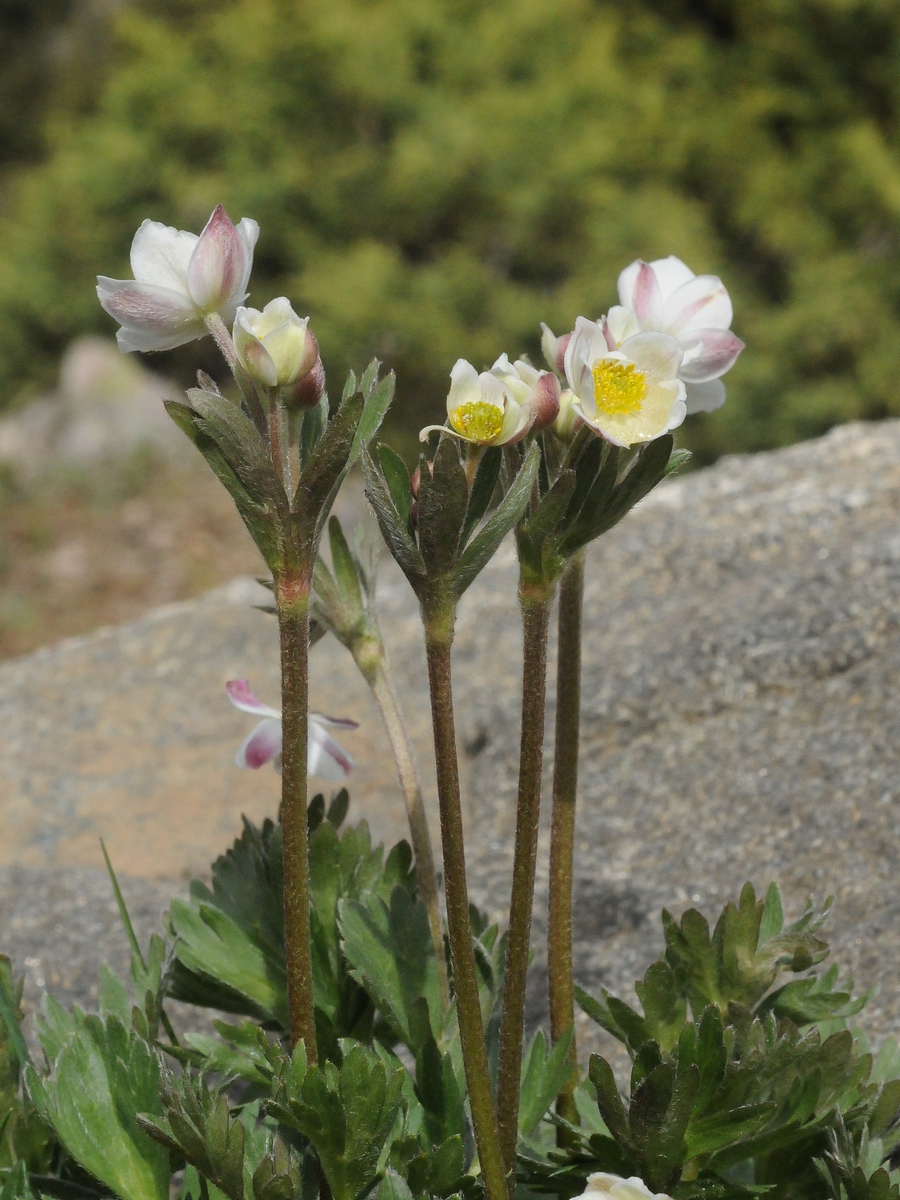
{"x":102,"y":1076}
{"x":608,"y":1099}
{"x":443,"y":498}
{"x":390,"y":952}
{"x":347,"y":1113}
{"x":543,"y":1078}
{"x":712,"y":1133}
{"x":240,"y":442}
{"x":397,"y":478}
{"x":484,"y":485}
{"x":328,"y":463}
{"x":392,"y":1187}
{"x":197,"y":1124}
{"x":346,"y":572}
{"x":10,"y":1015}
{"x":394,"y":529}
{"x":378,"y":397}
{"x":483,"y":546}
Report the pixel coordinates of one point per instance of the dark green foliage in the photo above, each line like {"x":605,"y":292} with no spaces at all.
{"x":103,"y":1073}
{"x":439,"y":544}
{"x":229,"y":940}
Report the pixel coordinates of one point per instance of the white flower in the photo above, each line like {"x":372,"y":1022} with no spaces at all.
{"x":326,"y":759}
{"x":665,"y":295}
{"x":568,"y":421}
{"x":614,"y":1187}
{"x":498,"y":406}
{"x":275,"y":346}
{"x":628,"y":393}
{"x":180,"y":278}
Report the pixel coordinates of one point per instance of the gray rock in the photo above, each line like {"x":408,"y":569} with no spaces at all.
{"x":740,"y":722}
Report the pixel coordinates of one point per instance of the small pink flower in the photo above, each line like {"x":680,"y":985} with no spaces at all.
{"x":326,"y":759}
{"x":180,"y":278}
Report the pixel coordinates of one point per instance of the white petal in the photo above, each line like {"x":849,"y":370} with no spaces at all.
{"x":262,"y":745}
{"x":657,"y":355}
{"x":705,"y":397}
{"x":160,"y":254}
{"x":587,"y":346}
{"x":670,"y":273}
{"x":702,"y":303}
{"x":463,"y":382}
{"x":622,"y":324}
{"x":241,"y":696}
{"x":327,"y":759}
{"x":627,"y":280}
{"x":712,"y":351}
{"x":152,"y":317}
{"x":255,"y":358}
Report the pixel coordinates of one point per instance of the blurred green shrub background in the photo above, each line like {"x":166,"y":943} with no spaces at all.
{"x":434,"y":177}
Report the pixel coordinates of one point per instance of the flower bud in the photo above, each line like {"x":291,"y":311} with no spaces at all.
{"x":308,"y":389}
{"x":275,"y":346}
{"x":567,"y":422}
{"x":554,"y":348}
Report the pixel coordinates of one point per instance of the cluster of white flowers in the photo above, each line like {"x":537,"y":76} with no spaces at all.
{"x":630,"y":376}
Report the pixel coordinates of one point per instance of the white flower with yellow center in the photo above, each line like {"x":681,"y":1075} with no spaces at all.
{"x":498,"y":406}
{"x":275,"y":346}
{"x":602,"y":1186}
{"x":665,"y":295}
{"x":628,"y":393}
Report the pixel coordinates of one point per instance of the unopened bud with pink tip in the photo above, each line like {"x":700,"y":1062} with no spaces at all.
{"x":275,"y":346}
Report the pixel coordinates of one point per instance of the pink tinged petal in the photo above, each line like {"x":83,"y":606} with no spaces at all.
{"x":657,"y":355}
{"x":705,"y":397}
{"x":161,"y":254}
{"x":154,"y":318}
{"x":242,"y":697}
{"x":702,"y":303}
{"x":327,"y":759}
{"x":218,"y":269}
{"x":611,"y":343}
{"x":545,"y":401}
{"x":718,"y":352}
{"x":586,"y":346}
{"x":334,"y":722}
{"x":627,"y":280}
{"x":646,"y":300}
{"x":671,"y":273}
{"x":262,"y":745}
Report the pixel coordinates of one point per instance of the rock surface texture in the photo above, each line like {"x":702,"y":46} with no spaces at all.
{"x":741,"y":700}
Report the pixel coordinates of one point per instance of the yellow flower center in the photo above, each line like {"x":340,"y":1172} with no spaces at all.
{"x":478,"y":421}
{"x":619,"y":389}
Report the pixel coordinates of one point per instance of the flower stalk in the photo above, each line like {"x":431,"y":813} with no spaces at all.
{"x":562,"y":831}
{"x":375,"y":670}
{"x":536,"y":605}
{"x":438,"y":640}
{"x":292,"y":603}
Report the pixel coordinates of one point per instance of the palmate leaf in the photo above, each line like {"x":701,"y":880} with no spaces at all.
{"x":347,"y":1113}
{"x":103,"y":1074}
{"x":390,"y":952}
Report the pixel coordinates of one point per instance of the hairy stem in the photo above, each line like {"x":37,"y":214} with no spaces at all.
{"x":292,"y":600}
{"x":462,"y":956}
{"x":386,"y":698}
{"x":536,"y":621}
{"x":562,"y":835}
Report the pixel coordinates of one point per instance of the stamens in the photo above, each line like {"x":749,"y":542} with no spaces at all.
{"x":619,"y":389}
